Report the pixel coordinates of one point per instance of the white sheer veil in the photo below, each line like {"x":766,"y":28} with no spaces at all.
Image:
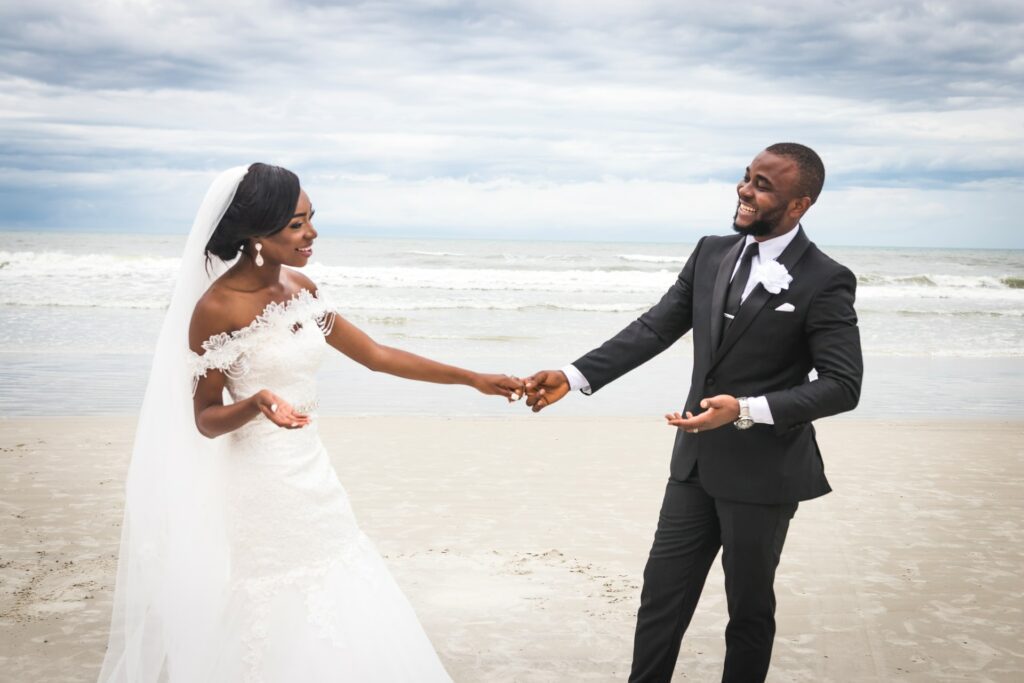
{"x":173,"y":565}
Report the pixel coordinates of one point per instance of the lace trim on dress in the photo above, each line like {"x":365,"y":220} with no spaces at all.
{"x":326,"y":322}
{"x":226,"y":351}
{"x":322,"y":612}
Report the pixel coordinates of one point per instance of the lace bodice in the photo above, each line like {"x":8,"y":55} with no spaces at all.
{"x":287,"y":514}
{"x":280,"y":350}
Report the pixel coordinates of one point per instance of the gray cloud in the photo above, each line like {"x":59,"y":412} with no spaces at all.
{"x":572,"y":94}
{"x":900,"y":51}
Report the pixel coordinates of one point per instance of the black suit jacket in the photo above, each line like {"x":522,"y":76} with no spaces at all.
{"x":765,"y":352}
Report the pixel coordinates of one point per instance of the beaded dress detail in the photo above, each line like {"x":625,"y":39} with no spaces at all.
{"x":311,"y":599}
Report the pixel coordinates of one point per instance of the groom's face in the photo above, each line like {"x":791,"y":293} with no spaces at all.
{"x":765,"y":194}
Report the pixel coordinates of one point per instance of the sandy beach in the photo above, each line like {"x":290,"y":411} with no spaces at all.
{"x":521,"y":544}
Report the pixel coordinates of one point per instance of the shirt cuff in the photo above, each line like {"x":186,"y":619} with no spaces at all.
{"x":759,"y":410}
{"x":576,"y":379}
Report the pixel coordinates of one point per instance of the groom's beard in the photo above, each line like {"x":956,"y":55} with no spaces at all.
{"x":762,"y":226}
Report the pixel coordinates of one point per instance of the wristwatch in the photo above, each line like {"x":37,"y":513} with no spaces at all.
{"x":744,"y":421}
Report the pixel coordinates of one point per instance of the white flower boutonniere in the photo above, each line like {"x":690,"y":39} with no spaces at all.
{"x":773,"y":276}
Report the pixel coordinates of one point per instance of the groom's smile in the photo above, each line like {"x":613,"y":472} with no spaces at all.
{"x":744,"y":210}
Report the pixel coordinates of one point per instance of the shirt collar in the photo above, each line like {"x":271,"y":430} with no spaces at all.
{"x":772,"y":249}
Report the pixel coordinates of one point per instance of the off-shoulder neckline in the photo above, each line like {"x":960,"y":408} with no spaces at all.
{"x":264,"y":318}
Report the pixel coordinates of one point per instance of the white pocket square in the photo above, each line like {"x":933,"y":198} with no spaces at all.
{"x":786,"y":308}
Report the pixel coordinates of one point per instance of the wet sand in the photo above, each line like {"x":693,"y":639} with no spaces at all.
{"x":521,"y":544}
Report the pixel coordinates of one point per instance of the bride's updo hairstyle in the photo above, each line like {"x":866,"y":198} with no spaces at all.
{"x":263,"y":204}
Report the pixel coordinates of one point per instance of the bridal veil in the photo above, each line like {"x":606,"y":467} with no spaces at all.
{"x":173,"y":566}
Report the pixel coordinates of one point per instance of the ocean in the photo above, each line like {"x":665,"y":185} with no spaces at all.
{"x":942,"y":329}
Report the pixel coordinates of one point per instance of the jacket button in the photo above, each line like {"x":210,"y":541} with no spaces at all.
{"x":710,"y":381}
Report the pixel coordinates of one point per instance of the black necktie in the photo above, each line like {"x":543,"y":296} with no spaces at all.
{"x":739,"y":282}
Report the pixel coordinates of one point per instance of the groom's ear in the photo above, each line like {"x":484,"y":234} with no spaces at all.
{"x":798,"y":207}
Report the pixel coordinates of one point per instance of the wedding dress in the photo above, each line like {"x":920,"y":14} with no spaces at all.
{"x":309,"y":598}
{"x":240,"y":558}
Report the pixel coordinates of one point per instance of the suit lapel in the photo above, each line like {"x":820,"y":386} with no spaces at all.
{"x":757,"y":298}
{"x":725,"y":268}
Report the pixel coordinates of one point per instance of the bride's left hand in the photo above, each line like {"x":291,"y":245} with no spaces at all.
{"x":508,"y":386}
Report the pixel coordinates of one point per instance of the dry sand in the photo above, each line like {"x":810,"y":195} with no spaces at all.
{"x":521,"y":543}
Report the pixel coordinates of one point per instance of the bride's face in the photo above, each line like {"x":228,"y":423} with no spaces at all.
{"x":292,"y":246}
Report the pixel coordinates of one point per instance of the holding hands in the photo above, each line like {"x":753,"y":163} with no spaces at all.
{"x":544,"y":388}
{"x":508,"y":386}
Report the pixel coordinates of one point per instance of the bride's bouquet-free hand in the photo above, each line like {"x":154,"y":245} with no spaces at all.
{"x":509,"y":386}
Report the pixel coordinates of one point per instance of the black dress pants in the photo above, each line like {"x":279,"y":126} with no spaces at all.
{"x":692,"y":527}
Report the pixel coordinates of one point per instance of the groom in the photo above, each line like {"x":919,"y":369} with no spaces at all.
{"x":766,"y":307}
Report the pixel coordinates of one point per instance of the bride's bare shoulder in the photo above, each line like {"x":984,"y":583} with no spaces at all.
{"x":299,"y":281}
{"x":215,"y":313}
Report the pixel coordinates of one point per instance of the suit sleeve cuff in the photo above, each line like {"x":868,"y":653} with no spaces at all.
{"x":759,"y":410}
{"x":576,"y":379}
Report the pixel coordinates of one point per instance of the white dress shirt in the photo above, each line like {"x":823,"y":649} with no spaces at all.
{"x":768,"y":250}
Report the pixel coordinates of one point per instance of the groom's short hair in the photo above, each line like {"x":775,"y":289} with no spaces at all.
{"x":808,"y":163}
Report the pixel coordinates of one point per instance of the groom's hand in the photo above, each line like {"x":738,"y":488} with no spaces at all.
{"x":544,"y":388}
{"x":718,"y":410}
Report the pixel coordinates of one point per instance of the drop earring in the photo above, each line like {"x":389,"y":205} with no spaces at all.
{"x":259,"y":256}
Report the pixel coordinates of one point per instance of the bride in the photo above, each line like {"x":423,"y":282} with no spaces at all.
{"x":240,"y":558}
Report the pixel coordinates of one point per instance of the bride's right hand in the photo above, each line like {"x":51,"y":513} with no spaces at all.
{"x":279,"y":411}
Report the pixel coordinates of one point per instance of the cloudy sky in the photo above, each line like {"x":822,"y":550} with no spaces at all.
{"x":558,"y":119}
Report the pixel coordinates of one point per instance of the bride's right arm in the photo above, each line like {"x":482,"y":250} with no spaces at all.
{"x":213,"y":418}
